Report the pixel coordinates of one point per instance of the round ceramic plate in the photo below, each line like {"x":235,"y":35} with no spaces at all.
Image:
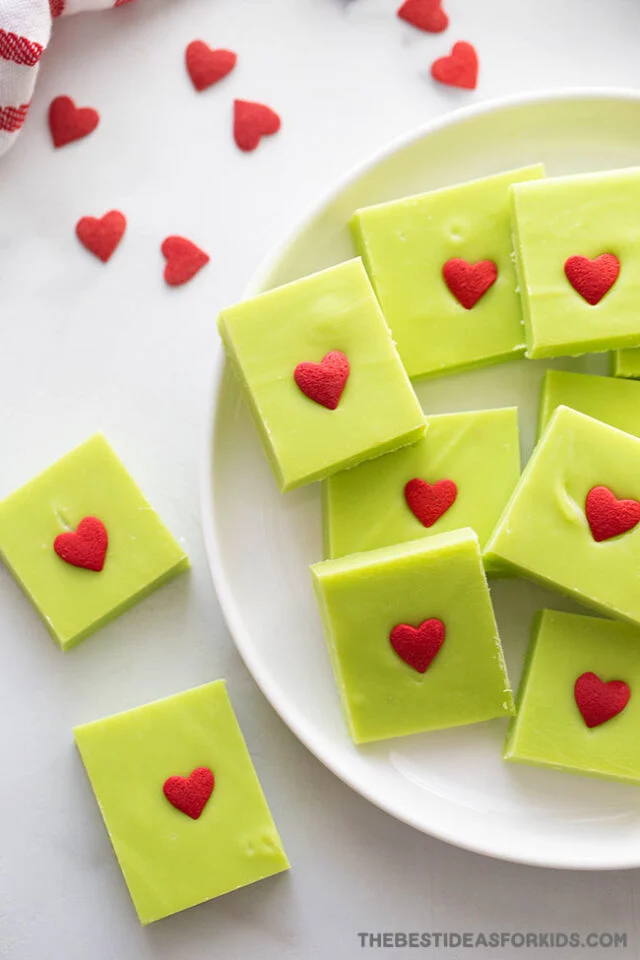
{"x":452,"y":784}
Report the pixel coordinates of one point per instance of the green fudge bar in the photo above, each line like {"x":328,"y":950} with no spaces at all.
{"x":616,"y":402}
{"x":549,"y":729}
{"x":461,"y":474}
{"x":367,"y":600}
{"x":266,"y":340}
{"x":626,"y":363}
{"x":549,"y":533}
{"x":141,"y":555}
{"x":405,"y":245}
{"x":584,"y":216}
{"x":170,"y":860}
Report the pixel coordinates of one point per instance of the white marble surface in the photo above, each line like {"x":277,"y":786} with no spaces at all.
{"x":85,"y":346}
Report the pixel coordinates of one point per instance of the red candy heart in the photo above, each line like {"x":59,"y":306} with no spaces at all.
{"x":183,"y":258}
{"x":427,"y":501}
{"x":460,"y":69}
{"x":598,"y":701}
{"x":609,"y":517}
{"x":251,"y":122}
{"x":468,"y":282}
{"x":324,"y":382}
{"x":206,"y":66}
{"x":418,"y":646}
{"x":87,"y":547}
{"x":425,"y":15}
{"x":101,"y":236}
{"x":190,"y":794}
{"x":592,"y":278}
{"x":68,"y":122}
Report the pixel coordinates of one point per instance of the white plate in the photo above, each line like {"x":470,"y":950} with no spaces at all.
{"x":452,"y":784}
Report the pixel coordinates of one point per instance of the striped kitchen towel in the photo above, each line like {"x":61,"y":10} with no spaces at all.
{"x":25,"y":28}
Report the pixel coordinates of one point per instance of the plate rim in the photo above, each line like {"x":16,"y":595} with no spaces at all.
{"x":288,"y":713}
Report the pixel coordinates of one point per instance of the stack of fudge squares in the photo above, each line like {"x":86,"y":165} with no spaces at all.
{"x":419,"y":509}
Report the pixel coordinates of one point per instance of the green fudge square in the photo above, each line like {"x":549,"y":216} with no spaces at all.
{"x":266,"y":340}
{"x":170,"y":859}
{"x":549,"y":729}
{"x":461,"y":474}
{"x":626,"y":363}
{"x":584,"y":216}
{"x":405,"y":245}
{"x":371,"y":601}
{"x":616,"y":402}
{"x":141,"y":554}
{"x":550,"y":533}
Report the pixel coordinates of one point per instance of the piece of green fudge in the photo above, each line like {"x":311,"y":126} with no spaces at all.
{"x":626,"y":363}
{"x":572,"y":522}
{"x":321,"y":374}
{"x":613,"y":401}
{"x":412,"y":637}
{"x":181,"y":801}
{"x":83,"y":542}
{"x":441,"y":265}
{"x":461,"y":474}
{"x":578,"y":262}
{"x":579,"y":699}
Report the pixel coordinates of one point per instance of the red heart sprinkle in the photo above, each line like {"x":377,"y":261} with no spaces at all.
{"x":324,"y":382}
{"x":68,"y":122}
{"x":190,"y":794}
{"x":252,"y":121}
{"x":425,"y":15}
{"x":609,"y":517}
{"x":86,"y":547}
{"x":460,"y":69}
{"x":183,"y":258}
{"x":206,"y":66}
{"x":427,"y":501}
{"x":592,"y":278}
{"x":468,"y":282}
{"x":101,"y":236}
{"x":598,"y":701}
{"x":418,"y":646}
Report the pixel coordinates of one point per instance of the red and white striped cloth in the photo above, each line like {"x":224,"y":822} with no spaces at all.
{"x":25,"y":28}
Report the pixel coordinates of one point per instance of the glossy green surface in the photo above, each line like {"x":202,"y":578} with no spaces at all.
{"x":543,"y":533}
{"x":626,"y":363}
{"x":613,"y":401}
{"x":362,"y":597}
{"x":267,"y":337}
{"x":365,"y":508}
{"x":142,"y":554}
{"x":169,"y":861}
{"x":405,"y":244}
{"x":585,"y":215}
{"x":549,"y":730}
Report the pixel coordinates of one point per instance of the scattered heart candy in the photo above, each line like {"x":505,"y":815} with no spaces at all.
{"x":427,"y":501}
{"x":251,"y":122}
{"x":190,"y":794}
{"x":324,"y":382}
{"x":418,"y":646}
{"x":206,"y":66}
{"x":101,"y":236}
{"x":468,"y":282}
{"x":598,"y":701}
{"x":68,"y":122}
{"x":459,"y":69}
{"x":425,"y":15}
{"x":86,"y":547}
{"x":609,"y":517}
{"x":183,"y":258}
{"x":592,"y":278}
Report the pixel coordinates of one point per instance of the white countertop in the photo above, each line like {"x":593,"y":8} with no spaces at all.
{"x":86,"y":347}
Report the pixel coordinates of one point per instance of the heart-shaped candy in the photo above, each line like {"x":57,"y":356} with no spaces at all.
{"x":190,"y":794}
{"x":206,"y":66}
{"x":101,"y":235}
{"x":592,"y":278}
{"x":468,"y":282}
{"x":429,"y":501}
{"x":418,"y":646}
{"x":68,"y":122}
{"x":86,"y":547}
{"x":324,"y":382}
{"x":609,"y":517}
{"x":598,"y":701}
{"x":183,"y":258}
{"x":425,"y":15}
{"x":459,"y":69}
{"x":251,"y":122}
